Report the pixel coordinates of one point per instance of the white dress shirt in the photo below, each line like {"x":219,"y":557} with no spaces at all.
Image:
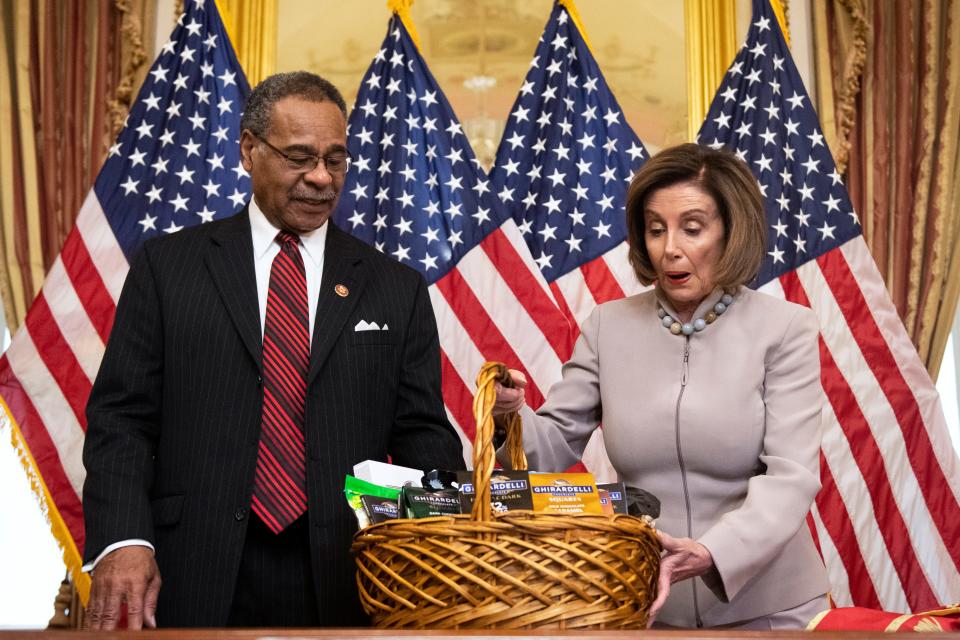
{"x":265,"y":249}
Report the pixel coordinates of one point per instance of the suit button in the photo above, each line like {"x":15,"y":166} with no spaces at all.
{"x":259,"y":381}
{"x":240,"y":514}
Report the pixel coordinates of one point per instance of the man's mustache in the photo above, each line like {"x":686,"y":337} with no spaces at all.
{"x":313,"y":196}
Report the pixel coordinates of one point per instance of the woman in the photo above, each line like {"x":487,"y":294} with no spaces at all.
{"x":710,"y":398}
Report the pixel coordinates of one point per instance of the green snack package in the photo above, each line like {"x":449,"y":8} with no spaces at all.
{"x":355,"y":488}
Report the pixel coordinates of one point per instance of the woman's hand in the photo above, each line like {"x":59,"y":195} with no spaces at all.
{"x":683,"y":558}
{"x":510,"y":400}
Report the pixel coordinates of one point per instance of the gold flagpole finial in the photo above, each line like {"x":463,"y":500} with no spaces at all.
{"x":402,"y":9}
{"x":571,"y":8}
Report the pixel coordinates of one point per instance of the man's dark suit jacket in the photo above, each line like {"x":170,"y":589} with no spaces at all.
{"x":174,"y":415}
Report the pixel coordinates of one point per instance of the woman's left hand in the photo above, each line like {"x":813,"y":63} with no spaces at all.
{"x":683,"y":558}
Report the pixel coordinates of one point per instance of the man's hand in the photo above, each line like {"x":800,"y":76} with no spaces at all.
{"x":510,"y":400}
{"x":683,"y":558}
{"x":127,"y":575}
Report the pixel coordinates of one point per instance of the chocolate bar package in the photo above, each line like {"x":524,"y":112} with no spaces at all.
{"x":509,"y":491}
{"x":421,"y":503}
{"x":379,"y":509}
{"x":613,"y":497}
{"x":566,"y":493}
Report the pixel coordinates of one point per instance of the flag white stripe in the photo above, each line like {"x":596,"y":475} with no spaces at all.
{"x":513,"y":321}
{"x":618,"y":261}
{"x":463,"y":354}
{"x":102,"y":245}
{"x":836,"y":573}
{"x":908,"y":361}
{"x":855,"y":495}
{"x":925,"y":538}
{"x":576,"y":294}
{"x":773,"y":288}
{"x":515,"y":236}
{"x":50,"y":404}
{"x":72,"y":319}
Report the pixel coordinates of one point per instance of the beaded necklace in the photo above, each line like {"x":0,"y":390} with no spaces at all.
{"x":687,"y":328}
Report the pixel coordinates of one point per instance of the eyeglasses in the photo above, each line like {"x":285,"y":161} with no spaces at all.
{"x":335,"y":163}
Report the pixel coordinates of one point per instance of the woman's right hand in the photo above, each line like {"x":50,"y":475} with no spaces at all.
{"x":510,"y":400}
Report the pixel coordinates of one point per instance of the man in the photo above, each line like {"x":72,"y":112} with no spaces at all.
{"x":218,"y":437}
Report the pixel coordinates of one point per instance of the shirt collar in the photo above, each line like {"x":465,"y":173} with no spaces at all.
{"x":264,"y":233}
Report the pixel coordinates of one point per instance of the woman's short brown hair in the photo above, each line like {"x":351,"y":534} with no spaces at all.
{"x":731,"y":185}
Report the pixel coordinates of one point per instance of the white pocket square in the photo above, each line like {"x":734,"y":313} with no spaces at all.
{"x":363,"y":325}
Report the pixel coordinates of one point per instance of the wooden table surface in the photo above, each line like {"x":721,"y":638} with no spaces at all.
{"x":360,"y":634}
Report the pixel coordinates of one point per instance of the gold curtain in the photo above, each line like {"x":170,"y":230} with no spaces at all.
{"x":252,"y":27}
{"x":67,"y":73}
{"x":895,"y":98}
{"x":710,"y":37}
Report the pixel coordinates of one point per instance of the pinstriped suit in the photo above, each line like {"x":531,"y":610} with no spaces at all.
{"x":174,"y":415}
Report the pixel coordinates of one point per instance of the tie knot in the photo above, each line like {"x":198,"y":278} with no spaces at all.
{"x":287,"y":240}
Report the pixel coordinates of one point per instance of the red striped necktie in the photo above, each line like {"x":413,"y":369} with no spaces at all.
{"x":279,"y":490}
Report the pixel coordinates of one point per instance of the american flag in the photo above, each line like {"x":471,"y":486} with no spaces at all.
{"x":563,"y":166}
{"x":416,"y":192}
{"x":562,"y":169}
{"x":175,"y":164}
{"x":887,"y":519}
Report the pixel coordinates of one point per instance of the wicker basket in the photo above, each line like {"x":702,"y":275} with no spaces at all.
{"x":515,"y":570}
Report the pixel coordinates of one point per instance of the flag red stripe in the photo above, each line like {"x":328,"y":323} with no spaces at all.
{"x":457,"y":397}
{"x":836,"y":520}
{"x":869,"y":461}
{"x":600,"y":281}
{"x":86,"y":280}
{"x":941,"y":502}
{"x":830,"y":504}
{"x":44,"y":453}
{"x":59,"y":358}
{"x":528,"y":292}
{"x":482,"y":329}
{"x":567,"y":312}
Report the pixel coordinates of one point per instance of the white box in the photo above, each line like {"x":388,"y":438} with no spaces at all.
{"x":387,"y":475}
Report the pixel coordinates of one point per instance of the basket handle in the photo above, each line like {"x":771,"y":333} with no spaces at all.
{"x":483,"y":451}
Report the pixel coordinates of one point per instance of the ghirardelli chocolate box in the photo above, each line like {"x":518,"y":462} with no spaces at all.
{"x":509,"y":491}
{"x":420,"y":503}
{"x":565,"y":493}
{"x":379,"y":509}
{"x":613,"y":497}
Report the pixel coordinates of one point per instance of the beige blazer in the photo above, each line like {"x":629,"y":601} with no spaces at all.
{"x":733,"y":457}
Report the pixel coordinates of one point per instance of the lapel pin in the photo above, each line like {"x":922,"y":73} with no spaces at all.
{"x":341,"y":290}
